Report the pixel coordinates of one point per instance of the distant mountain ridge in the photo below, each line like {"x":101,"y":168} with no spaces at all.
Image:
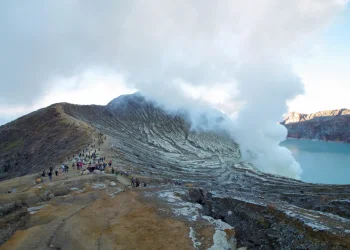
{"x":329,"y":125}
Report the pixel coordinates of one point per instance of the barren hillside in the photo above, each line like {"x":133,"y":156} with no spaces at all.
{"x":40,"y":139}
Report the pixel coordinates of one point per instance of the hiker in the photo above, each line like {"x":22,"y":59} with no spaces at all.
{"x":56,"y":171}
{"x":50,"y":176}
{"x":51,"y":169}
{"x":137,"y":182}
{"x":110,"y":163}
{"x":132,"y":181}
{"x":43,"y":174}
{"x":66,"y":168}
{"x":112,"y":170}
{"x":144,"y":184}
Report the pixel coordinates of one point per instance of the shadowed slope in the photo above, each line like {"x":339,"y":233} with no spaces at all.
{"x":40,"y":139}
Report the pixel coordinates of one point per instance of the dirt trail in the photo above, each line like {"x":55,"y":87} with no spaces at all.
{"x":94,"y":218}
{"x":122,"y":222}
{"x":105,"y":151}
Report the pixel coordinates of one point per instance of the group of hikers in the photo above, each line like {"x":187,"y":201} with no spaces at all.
{"x":89,"y":160}
{"x":87,"y":157}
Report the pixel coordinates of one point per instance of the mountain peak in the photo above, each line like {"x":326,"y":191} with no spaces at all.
{"x":123,"y":99}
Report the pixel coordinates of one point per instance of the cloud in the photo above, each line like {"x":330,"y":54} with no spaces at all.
{"x":157,"y":44}
{"x":94,"y":86}
{"x":151,"y":42}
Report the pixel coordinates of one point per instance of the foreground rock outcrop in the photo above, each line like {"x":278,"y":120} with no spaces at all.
{"x":331,"y":125}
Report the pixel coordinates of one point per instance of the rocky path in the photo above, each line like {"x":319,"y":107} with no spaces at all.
{"x":96,"y":214}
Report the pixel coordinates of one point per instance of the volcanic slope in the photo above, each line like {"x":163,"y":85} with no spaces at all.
{"x":144,"y":137}
{"x":152,"y":142}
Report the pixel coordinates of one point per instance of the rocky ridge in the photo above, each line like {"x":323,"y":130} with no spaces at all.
{"x":45,"y":137}
{"x":330,"y":125}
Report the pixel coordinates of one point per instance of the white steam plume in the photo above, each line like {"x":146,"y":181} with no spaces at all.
{"x":161,"y":46}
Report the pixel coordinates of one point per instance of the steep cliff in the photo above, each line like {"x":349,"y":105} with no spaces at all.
{"x":330,"y":125}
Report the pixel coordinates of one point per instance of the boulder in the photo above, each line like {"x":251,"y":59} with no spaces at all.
{"x":38,"y":181}
{"x":97,"y":172}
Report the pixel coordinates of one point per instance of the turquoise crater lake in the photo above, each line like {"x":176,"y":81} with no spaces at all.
{"x":322,"y":162}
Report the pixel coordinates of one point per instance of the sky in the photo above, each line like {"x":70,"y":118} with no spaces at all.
{"x":252,"y":60}
{"x":325,"y":71}
{"x":45,"y":60}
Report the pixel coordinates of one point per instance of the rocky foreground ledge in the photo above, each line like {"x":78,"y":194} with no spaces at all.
{"x":101,"y":211}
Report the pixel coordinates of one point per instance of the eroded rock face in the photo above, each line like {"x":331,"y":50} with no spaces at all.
{"x":265,"y":224}
{"x":331,"y":125}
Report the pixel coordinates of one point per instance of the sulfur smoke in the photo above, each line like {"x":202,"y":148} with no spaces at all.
{"x":166,"y":48}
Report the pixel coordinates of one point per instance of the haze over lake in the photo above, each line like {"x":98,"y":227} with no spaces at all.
{"x":322,"y":162}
